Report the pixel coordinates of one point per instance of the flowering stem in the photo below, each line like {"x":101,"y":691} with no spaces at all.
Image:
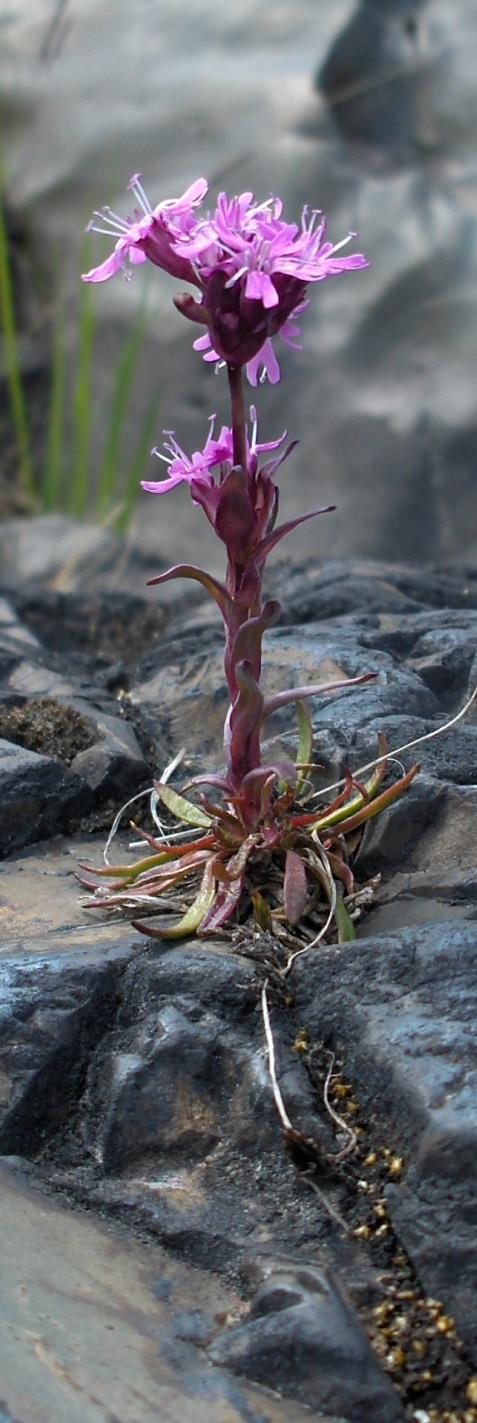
{"x":238,"y":416}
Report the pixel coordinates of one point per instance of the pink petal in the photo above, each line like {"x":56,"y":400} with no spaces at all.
{"x":259,"y":287}
{"x":265,"y":357}
{"x":109,"y":268}
{"x":136,"y":256}
{"x":195,"y":192}
{"x":164,"y":485}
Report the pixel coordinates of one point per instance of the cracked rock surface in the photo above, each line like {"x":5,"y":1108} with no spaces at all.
{"x":240,"y":1277}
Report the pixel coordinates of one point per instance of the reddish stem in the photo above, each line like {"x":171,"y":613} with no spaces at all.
{"x":239,"y":427}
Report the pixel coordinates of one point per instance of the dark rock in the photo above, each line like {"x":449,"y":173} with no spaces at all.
{"x":303,"y":1339}
{"x":86,"y":1335}
{"x":39,"y":797}
{"x":52,"y":702}
{"x":403,"y":1010}
{"x":114,"y":764}
{"x":179,"y":1110}
{"x":189,"y":685}
{"x":53,"y":1011}
{"x":381,"y":39}
{"x":363,"y":588}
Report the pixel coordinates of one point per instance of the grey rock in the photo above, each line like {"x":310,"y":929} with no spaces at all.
{"x":303,"y":1338}
{"x":52,"y":1012}
{"x":39,"y":796}
{"x":66,"y":555}
{"x":189,"y":685}
{"x":179,"y":1111}
{"x":403,"y":1010}
{"x":90,"y":1331}
{"x":115,"y":763}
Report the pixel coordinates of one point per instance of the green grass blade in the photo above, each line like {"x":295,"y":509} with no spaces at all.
{"x":12,"y":363}
{"x":138,"y":467}
{"x":79,"y":489}
{"x":305,"y":743}
{"x":51,"y":492}
{"x":125,"y":372}
{"x":344,"y":924}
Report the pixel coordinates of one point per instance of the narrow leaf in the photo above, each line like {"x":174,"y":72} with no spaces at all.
{"x":345,"y":926}
{"x":295,"y":888}
{"x":52,"y":490}
{"x":261,"y":911}
{"x":192,"y":919}
{"x":305,"y":743}
{"x":247,"y":643}
{"x":271,"y":540}
{"x":381,"y":802}
{"x":180,"y":807}
{"x":217,"y":590}
{"x":296,"y":694}
{"x":82,"y":405}
{"x":222,"y":909}
{"x":124,"y":376}
{"x":234,"y":520}
{"x":12,"y":362}
{"x":138,"y":466}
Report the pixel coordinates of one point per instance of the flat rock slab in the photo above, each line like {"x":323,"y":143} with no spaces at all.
{"x":95,"y":1330}
{"x":40,"y":898}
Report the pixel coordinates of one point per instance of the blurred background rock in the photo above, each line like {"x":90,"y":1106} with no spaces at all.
{"x":367,"y":110}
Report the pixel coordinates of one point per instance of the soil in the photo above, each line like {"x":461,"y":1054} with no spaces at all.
{"x":48,"y":728}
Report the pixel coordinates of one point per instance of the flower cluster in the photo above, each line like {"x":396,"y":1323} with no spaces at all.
{"x":251,"y":267}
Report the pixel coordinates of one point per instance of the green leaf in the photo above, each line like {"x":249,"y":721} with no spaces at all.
{"x":305,"y":742}
{"x":124,"y":376}
{"x":261,"y":911}
{"x":51,"y":491}
{"x":138,"y":467}
{"x":180,"y":807}
{"x":193,"y":916}
{"x":345,"y":926}
{"x":79,"y":489}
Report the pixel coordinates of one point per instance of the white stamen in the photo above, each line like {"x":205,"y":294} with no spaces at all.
{"x":343,"y":243}
{"x":141,"y":196}
{"x":105,"y":231}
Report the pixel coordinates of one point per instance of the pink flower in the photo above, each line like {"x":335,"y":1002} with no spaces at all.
{"x":264,"y":365}
{"x":150,"y":234}
{"x":195,"y":469}
{"x":252,"y":268}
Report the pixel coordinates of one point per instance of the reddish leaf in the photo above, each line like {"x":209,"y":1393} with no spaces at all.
{"x":295,"y":888}
{"x":297,"y":694}
{"x":217,"y":590}
{"x":381,"y":802}
{"x":234,"y":520}
{"x":271,"y":540}
{"x":242,"y":729}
